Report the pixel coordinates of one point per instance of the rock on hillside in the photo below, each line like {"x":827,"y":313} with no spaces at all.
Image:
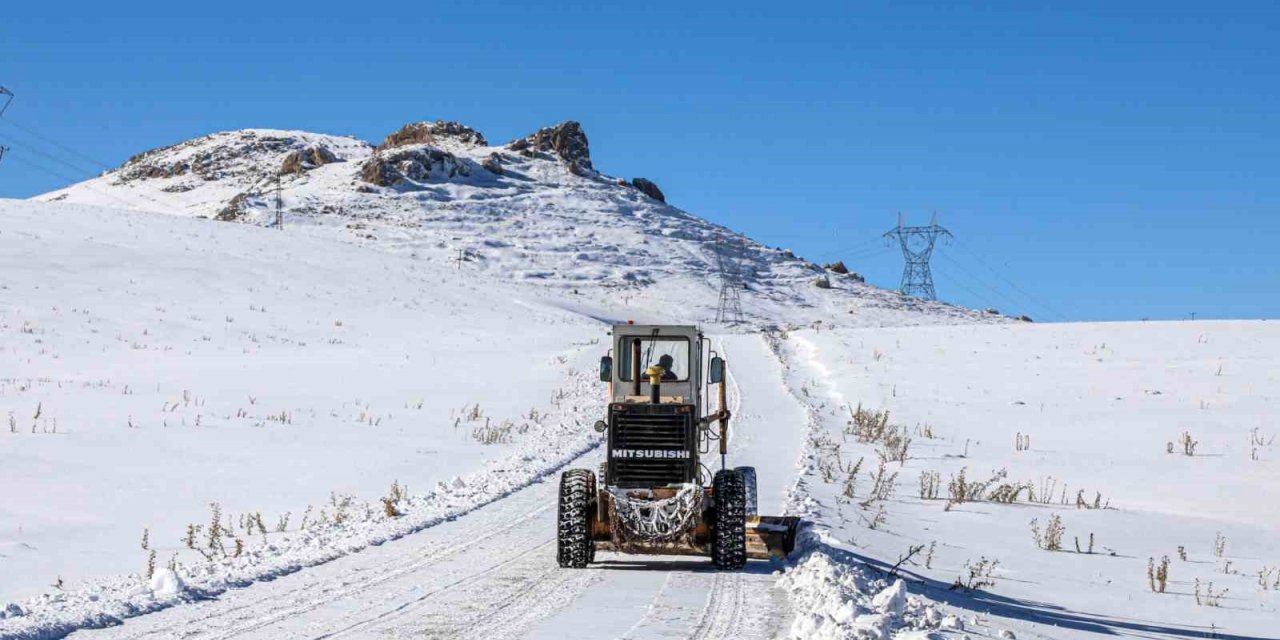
{"x":307,"y":158}
{"x":648,"y":188}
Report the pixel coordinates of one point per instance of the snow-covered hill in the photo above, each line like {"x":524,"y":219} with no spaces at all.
{"x":534,"y":211}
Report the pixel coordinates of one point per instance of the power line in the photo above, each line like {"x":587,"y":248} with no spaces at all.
{"x":27,"y":146}
{"x":956,"y":281}
{"x":56,"y":174}
{"x":917,"y":246}
{"x":1033,"y":299}
{"x":1001,"y":297}
{"x":48,"y":140}
{"x":855,"y":248}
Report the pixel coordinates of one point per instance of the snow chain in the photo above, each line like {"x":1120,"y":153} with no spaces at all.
{"x":663,"y":520}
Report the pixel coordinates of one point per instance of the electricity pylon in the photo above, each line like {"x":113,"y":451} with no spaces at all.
{"x":917,"y":246}
{"x":729,"y":309}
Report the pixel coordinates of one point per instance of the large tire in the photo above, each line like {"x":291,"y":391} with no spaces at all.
{"x":749,"y":483}
{"x":729,"y":521}
{"x":577,"y":505}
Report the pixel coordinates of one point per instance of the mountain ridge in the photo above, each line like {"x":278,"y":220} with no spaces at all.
{"x":534,"y":209}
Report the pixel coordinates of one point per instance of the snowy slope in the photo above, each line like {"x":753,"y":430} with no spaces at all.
{"x":154,"y":365}
{"x":538,"y":214}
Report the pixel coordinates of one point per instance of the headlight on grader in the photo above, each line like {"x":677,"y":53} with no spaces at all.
{"x":601,"y":426}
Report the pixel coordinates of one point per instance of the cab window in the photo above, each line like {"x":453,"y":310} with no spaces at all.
{"x":670,"y":353}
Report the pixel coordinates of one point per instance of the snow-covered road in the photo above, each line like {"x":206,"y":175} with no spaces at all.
{"x":492,"y":573}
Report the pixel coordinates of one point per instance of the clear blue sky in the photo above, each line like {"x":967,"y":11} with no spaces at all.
{"x":1112,"y":160}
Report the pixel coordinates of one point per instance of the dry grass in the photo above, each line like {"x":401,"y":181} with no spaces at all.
{"x":930,"y":483}
{"x":1022,"y":442}
{"x":1158,"y":575}
{"x":1208,"y":597}
{"x":391,"y":502}
{"x":1089,"y":550}
{"x":1185,"y":442}
{"x":1097,"y":502}
{"x":883,"y":484}
{"x":1051,"y":538}
{"x":977,"y":576}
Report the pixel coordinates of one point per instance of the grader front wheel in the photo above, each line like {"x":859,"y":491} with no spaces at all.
{"x":577,"y":503}
{"x":729,"y":523}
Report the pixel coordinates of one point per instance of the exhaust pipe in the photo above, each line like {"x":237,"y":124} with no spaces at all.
{"x":635,"y":367}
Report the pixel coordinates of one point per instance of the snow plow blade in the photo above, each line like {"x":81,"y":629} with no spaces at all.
{"x":771,"y":536}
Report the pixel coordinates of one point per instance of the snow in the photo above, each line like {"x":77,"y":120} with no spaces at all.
{"x":408,"y":369}
{"x":166,"y":583}
{"x":1101,"y":403}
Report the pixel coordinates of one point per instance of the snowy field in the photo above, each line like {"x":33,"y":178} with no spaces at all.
{"x":353,"y":427}
{"x":1080,"y":424}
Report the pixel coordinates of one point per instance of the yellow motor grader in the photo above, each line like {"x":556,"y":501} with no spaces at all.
{"x":654,"y":494}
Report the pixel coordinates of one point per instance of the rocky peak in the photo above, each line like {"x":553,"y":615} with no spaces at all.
{"x":438,"y":133}
{"x":567,"y":140}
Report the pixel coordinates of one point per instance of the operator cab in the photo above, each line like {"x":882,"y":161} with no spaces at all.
{"x":676,"y":349}
{"x":654,"y":433}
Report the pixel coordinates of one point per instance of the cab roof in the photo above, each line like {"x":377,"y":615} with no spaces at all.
{"x":648,"y":329}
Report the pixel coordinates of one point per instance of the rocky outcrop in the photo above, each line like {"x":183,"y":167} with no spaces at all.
{"x":215,"y":156}
{"x":307,"y":158}
{"x":838,"y":267}
{"x":235,"y":209}
{"x":648,"y":188}
{"x":433,"y":133}
{"x":419,"y":164}
{"x":567,"y":140}
{"x":493,"y":164}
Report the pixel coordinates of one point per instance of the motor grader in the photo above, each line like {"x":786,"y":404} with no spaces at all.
{"x":655,"y":493}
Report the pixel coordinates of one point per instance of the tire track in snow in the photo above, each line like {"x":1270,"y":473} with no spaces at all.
{"x":231,"y":619}
{"x":726,"y":613}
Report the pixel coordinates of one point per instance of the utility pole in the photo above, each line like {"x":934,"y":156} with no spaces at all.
{"x":279,"y":205}
{"x":3,"y":150}
{"x":729,"y":309}
{"x":917,"y":246}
